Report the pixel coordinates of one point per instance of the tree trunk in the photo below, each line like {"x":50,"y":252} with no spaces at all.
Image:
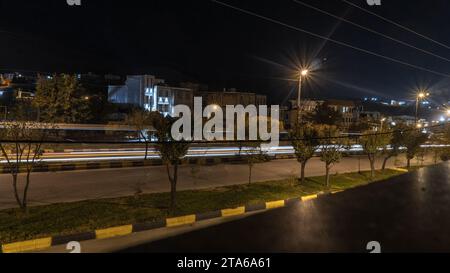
{"x":302,"y":173}
{"x":372,"y":166}
{"x":25,"y":190}
{"x":408,"y":163}
{"x":327,"y":175}
{"x":250,"y":167}
{"x":146,"y":150}
{"x":16,"y":192}
{"x":385,"y":162}
{"x":173,"y":187}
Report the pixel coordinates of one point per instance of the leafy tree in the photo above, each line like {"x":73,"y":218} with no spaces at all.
{"x":325,"y":115}
{"x":21,"y":148}
{"x":412,"y":140}
{"x":61,"y":98}
{"x":305,"y":142}
{"x":395,"y":143}
{"x":171,"y":152}
{"x":330,"y":149}
{"x":373,"y":143}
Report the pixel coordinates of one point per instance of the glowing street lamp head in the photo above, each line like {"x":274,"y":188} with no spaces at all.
{"x":422,"y":95}
{"x":304,"y":72}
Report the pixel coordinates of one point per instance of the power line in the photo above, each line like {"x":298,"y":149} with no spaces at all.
{"x":330,"y":39}
{"x":396,"y":24}
{"x":372,"y":31}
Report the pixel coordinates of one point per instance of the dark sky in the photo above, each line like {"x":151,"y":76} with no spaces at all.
{"x":202,"y":41}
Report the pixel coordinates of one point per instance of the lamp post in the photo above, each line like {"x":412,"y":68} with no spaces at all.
{"x":419,"y":97}
{"x":381,"y":124}
{"x":303,"y":73}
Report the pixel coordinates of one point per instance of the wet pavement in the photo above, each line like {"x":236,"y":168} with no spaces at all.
{"x":409,"y":213}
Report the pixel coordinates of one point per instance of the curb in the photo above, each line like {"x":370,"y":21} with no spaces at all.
{"x":47,"y":242}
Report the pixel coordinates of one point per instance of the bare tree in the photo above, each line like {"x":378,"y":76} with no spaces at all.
{"x":171,"y":152}
{"x":253,"y":154}
{"x":142,"y":122}
{"x":21,"y":147}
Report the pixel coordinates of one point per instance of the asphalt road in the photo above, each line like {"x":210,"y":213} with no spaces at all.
{"x":55,"y":187}
{"x":409,"y":213}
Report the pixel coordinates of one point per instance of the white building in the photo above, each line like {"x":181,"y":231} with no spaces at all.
{"x":150,"y":93}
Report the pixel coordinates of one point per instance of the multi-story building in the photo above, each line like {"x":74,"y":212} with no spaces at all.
{"x":349,"y":109}
{"x":153,"y":94}
{"x":150,"y":93}
{"x":163,"y":98}
{"x":233,"y":97}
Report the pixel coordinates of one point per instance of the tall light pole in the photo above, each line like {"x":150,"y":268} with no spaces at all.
{"x":419,"y":97}
{"x":303,"y":73}
{"x":381,"y":124}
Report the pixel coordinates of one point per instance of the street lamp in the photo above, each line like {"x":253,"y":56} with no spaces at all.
{"x":420,"y":96}
{"x":381,"y":125}
{"x":303,"y":73}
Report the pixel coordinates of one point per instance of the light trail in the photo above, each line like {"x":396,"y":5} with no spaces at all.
{"x":197,"y":152}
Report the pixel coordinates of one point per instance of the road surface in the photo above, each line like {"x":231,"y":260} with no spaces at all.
{"x":408,"y":213}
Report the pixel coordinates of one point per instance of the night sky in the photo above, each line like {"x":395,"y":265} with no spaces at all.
{"x":202,"y":41}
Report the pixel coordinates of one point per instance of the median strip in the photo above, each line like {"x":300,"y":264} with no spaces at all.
{"x":285,"y":189}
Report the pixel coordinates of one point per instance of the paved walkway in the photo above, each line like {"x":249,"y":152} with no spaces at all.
{"x":57,"y":187}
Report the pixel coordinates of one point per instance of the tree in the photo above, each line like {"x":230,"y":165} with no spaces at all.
{"x":330,"y":149}
{"x":61,"y":98}
{"x":305,"y":142}
{"x":372,"y":144}
{"x":142,"y":121}
{"x":170,"y":151}
{"x":21,"y":147}
{"x":412,"y":140}
{"x":325,"y":115}
{"x":395,"y":143}
{"x":445,"y":140}
{"x":253,"y":155}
